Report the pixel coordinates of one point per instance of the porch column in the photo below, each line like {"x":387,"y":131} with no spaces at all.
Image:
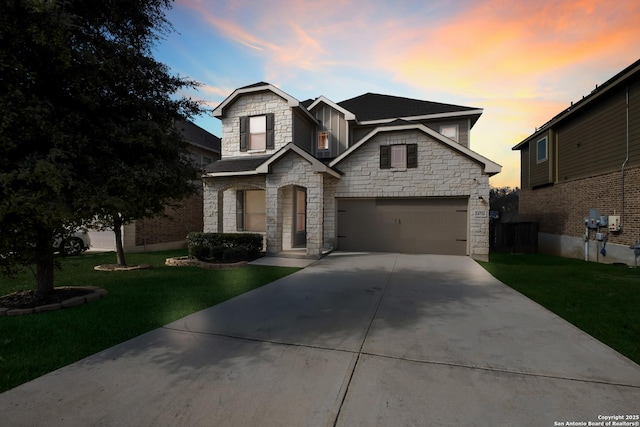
{"x":315,"y":203}
{"x":211,"y":207}
{"x":273,"y":220}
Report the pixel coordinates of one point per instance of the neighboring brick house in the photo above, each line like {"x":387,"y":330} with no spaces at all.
{"x":587,"y":157}
{"x":372,"y":173}
{"x":168,"y":231}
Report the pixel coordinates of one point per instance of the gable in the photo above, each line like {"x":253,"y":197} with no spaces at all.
{"x":488,"y":166}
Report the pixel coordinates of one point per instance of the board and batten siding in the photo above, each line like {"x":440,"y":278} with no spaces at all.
{"x":333,"y":122}
{"x":541,"y":173}
{"x":594,"y":141}
{"x":303,"y":132}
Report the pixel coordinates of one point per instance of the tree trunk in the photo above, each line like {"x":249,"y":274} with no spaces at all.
{"x":117,"y":229}
{"x":44,"y":264}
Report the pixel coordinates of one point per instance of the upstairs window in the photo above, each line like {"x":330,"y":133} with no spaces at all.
{"x":450,"y":131}
{"x":257,"y":133}
{"x":399,"y":156}
{"x":542,"y":150}
{"x":323,"y":141}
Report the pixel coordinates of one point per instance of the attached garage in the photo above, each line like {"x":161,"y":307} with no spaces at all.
{"x":411,"y":225}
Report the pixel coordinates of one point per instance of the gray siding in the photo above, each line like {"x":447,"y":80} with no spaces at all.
{"x":331,"y":121}
{"x":303,"y":132}
{"x":463,"y":128}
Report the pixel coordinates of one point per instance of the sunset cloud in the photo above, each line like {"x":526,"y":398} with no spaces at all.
{"x":522,"y":61}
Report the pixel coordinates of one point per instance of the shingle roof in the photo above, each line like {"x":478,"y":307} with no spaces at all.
{"x":236,"y":164}
{"x":373,"y":106}
{"x":195,"y":135}
{"x":254,"y":85}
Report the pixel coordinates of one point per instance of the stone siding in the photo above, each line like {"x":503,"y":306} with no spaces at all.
{"x":253,"y":105}
{"x":441,"y":172}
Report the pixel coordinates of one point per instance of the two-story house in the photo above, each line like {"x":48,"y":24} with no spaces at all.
{"x":585,"y":164}
{"x":372,"y":173}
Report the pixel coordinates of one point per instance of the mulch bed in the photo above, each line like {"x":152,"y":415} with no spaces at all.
{"x":29,"y":298}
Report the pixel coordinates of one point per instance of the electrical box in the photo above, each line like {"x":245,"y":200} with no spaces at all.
{"x":594,"y":218}
{"x":614,"y":222}
{"x":604,"y":221}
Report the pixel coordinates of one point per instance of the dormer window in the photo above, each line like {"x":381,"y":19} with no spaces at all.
{"x":323,"y":141}
{"x":450,"y":131}
{"x":256,"y":133}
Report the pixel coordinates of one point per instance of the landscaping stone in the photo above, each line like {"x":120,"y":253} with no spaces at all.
{"x":19,"y":311}
{"x":48,"y":307}
{"x":72,"y":302}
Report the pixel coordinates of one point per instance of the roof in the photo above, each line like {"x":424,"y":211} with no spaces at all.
{"x":254,"y":165}
{"x":611,"y":84}
{"x":372,"y":107}
{"x":197,"y":136}
{"x":236,"y":164}
{"x":256,"y":88}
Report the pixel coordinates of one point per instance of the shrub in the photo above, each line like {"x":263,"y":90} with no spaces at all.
{"x":224,"y":246}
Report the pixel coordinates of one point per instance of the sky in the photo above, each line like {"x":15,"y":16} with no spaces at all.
{"x":522,"y":62}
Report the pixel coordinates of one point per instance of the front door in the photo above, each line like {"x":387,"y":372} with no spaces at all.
{"x":299,"y":217}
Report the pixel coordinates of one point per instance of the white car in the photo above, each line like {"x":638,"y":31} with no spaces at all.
{"x":74,"y":244}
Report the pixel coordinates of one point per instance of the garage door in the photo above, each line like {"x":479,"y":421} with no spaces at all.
{"x":428,"y":225}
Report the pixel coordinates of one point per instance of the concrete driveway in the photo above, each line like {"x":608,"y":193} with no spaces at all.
{"x":352,"y":340}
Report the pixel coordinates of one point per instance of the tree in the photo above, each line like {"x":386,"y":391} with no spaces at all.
{"x":80,"y":95}
{"x":504,"y":200}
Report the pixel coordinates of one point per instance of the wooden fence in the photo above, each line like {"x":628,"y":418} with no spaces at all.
{"x":513,"y":237}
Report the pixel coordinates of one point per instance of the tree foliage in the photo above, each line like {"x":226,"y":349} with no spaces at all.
{"x":504,"y":200}
{"x":86,"y":121}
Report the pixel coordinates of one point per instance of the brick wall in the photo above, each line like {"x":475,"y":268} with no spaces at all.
{"x":561,"y":208}
{"x":174,"y":226}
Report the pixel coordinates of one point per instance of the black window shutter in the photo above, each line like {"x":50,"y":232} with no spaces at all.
{"x":240,"y":210}
{"x":385,"y":157}
{"x":244,"y":133}
{"x":270,"y":136}
{"x":412,"y":155}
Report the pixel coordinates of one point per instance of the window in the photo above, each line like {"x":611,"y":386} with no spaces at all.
{"x":256,"y":133}
{"x":323,"y":141}
{"x":542,"y":150}
{"x":450,"y":131}
{"x":399,"y":156}
{"x":206,"y":160}
{"x":251,"y":208}
{"x":301,"y":210}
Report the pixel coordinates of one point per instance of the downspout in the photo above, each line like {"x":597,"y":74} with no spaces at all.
{"x":627,"y":158}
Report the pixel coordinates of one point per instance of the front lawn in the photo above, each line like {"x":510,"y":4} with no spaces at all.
{"x":601,"y":299}
{"x":138,"y":301}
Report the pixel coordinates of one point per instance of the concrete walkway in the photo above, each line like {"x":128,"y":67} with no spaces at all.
{"x":351,"y":340}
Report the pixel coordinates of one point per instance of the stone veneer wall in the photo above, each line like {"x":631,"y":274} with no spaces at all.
{"x":220,"y":201}
{"x":441,"y":172}
{"x":253,"y":105}
{"x":289,"y":171}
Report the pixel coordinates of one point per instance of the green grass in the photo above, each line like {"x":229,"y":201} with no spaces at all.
{"x":138,"y":301}
{"x":601,"y":299}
